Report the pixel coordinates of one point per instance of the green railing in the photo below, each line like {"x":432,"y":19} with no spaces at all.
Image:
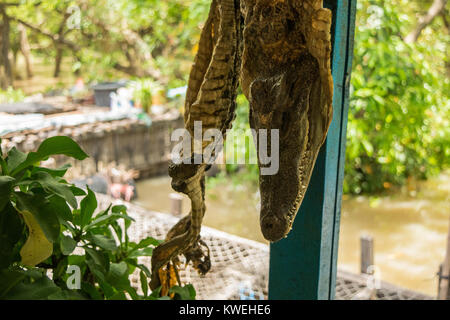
{"x":303,"y":266}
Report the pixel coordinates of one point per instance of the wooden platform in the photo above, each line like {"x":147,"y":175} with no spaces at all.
{"x":240,"y":267}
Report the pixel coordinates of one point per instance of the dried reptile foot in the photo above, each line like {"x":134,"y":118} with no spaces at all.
{"x":190,"y":180}
{"x":199,"y":256}
{"x":286,"y":76}
{"x":169,"y":251}
{"x":169,"y":278}
{"x":210,"y":98}
{"x":197,"y":253}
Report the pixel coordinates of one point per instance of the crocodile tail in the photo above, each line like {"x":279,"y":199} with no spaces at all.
{"x":215,"y":101}
{"x":202,"y":59}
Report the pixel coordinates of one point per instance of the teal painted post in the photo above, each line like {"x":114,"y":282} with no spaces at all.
{"x":303,"y":266}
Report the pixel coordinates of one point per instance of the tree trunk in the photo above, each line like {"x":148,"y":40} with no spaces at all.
{"x":25,"y":49}
{"x":13,"y":61}
{"x":58,"y":59}
{"x":8,"y":76}
{"x":436,"y":8}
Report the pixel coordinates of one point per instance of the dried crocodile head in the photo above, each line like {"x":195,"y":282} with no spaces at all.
{"x":286,"y":77}
{"x":210,"y":98}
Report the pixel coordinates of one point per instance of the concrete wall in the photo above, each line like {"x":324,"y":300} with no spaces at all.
{"x":129,"y":143}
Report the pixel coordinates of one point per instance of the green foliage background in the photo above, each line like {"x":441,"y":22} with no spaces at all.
{"x":398,"y":125}
{"x":399,"y":102}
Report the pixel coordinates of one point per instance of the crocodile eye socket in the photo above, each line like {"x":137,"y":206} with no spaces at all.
{"x":266,"y":12}
{"x":290,"y":25}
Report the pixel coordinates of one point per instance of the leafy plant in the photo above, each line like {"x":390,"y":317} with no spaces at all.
{"x":399,"y":107}
{"x":144,"y":91}
{"x":46,"y":235}
{"x":11,"y":95}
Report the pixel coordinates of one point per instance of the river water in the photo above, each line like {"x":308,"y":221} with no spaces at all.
{"x":409,"y":231}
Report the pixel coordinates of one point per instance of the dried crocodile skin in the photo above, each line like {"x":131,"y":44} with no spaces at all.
{"x":287,"y":78}
{"x":210,"y":99}
{"x":285,"y":74}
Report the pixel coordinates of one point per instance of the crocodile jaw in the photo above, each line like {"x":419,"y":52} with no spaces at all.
{"x":275,"y":106}
{"x":286,"y":76}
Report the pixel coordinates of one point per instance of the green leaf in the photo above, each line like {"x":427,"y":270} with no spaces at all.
{"x":34,"y":273}
{"x":67,"y":245}
{"x":107,"y":289}
{"x":37,"y":247}
{"x":59,"y":145}
{"x":99,"y":273}
{"x":99,"y":270}
{"x":117,"y":229}
{"x":104,"y":212}
{"x":11,"y":230}
{"x":98,"y":258}
{"x":15,"y":157}
{"x":61,"y":208}
{"x":77,"y":191}
{"x":183,"y":293}
{"x":118,"y":275}
{"x":149,"y":241}
{"x":59,"y":172}
{"x":87,"y":207}
{"x":60,"y":269}
{"x":8,"y":280}
{"x":134,"y":263}
{"x":76,"y":259}
{"x":51,"y":185}
{"x":155,"y":293}
{"x":91,"y":291}
{"x":131,"y":291}
{"x":67,"y":295}
{"x":3,"y":165}
{"x":107,"y":219}
{"x":145,"y":252}
{"x":144,"y":283}
{"x":118,"y":296}
{"x":102,"y":241}
{"x":119,"y":209}
{"x":37,"y":290}
{"x":6,"y":183}
{"x":43,"y":212}
{"x":76,"y":217}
